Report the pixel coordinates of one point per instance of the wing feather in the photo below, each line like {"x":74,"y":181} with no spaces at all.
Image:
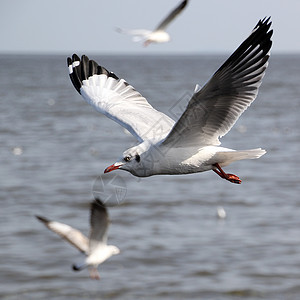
{"x":99,"y":222}
{"x":172,"y":15}
{"x":142,"y":33}
{"x":118,"y":100}
{"x":71,"y":235}
{"x":214,"y":109}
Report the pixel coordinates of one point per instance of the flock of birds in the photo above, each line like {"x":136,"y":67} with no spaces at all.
{"x":165,"y":146}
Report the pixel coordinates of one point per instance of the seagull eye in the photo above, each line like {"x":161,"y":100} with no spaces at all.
{"x":137,"y":158}
{"x":127,"y":158}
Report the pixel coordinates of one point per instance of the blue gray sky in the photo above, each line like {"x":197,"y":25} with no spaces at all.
{"x":87,"y":26}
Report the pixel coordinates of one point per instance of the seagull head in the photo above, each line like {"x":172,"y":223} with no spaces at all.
{"x":114,"y":250}
{"x":133,"y":160}
{"x":129,"y":161}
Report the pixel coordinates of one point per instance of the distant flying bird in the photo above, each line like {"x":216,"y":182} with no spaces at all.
{"x":95,"y":247}
{"x":191,"y":144}
{"x":159,"y":35}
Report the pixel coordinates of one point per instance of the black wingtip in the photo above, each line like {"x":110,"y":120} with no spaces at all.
{"x":70,"y":60}
{"x":82,"y":69}
{"x":183,"y":4}
{"x":113,"y":75}
{"x":75,"y":75}
{"x":75,"y":57}
{"x":42,"y":219}
{"x":259,"y":41}
{"x":98,"y":202}
{"x":265,"y":22}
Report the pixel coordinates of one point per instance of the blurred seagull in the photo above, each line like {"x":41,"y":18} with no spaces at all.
{"x":95,"y":247}
{"x":159,"y":35}
{"x":191,"y":144}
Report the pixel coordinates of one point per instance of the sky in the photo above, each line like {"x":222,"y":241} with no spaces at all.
{"x":88,"y":26}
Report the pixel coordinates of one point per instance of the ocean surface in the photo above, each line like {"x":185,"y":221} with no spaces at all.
{"x":54,"y":148}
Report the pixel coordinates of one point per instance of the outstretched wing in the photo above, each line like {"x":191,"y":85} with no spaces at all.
{"x":99,"y":222}
{"x":172,"y":15}
{"x":138,"y":34}
{"x":117,"y":99}
{"x":71,"y":235}
{"x":214,"y":109}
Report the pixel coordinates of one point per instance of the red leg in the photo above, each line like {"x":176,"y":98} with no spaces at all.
{"x":230,"y":177}
{"x":94,"y":274}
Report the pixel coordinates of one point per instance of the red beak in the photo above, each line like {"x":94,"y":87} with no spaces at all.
{"x":112,"y":167}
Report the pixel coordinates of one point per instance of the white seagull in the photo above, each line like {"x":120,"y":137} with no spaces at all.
{"x":95,"y":247}
{"x":159,"y":35}
{"x":191,"y":144}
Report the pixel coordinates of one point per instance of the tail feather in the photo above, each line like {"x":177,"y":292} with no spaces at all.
{"x":225,"y":158}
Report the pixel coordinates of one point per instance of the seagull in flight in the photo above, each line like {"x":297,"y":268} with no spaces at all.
{"x":159,"y":35}
{"x":191,"y":144}
{"x":95,"y":247}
